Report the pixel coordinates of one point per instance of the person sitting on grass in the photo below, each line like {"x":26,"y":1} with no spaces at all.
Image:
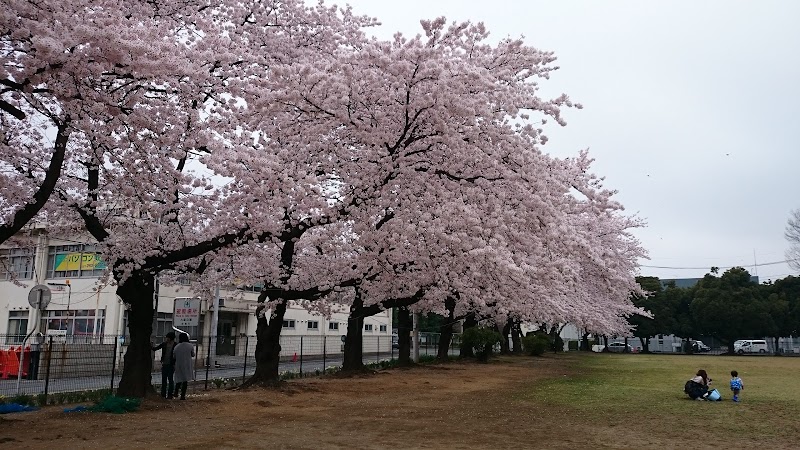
{"x":736,"y":385}
{"x":697,"y":386}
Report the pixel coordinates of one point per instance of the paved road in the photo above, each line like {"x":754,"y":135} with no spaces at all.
{"x":229,"y":367}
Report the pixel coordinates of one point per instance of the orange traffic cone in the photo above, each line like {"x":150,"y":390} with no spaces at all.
{"x":294,"y":358}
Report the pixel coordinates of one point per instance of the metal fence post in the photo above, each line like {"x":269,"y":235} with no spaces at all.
{"x":208,"y":360}
{"x":301,"y":356}
{"x":378,"y":352}
{"x":246,"y":346}
{"x":47,"y":373}
{"x":324,"y":352}
{"x":113,"y":365}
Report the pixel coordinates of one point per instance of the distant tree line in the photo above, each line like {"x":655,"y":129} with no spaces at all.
{"x":727,"y":307}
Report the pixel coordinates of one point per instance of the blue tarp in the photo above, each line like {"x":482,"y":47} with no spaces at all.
{"x":15,"y":407}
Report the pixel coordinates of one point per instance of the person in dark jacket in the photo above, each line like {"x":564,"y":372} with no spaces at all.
{"x":697,"y":387}
{"x":167,"y":364}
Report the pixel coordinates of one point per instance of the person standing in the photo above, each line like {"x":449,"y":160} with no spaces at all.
{"x":184,"y":352}
{"x":167,"y":364}
{"x":736,"y":385}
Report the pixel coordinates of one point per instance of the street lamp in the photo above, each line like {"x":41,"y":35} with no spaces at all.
{"x":69,"y":296}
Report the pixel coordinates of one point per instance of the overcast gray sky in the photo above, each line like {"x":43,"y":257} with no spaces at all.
{"x":690,"y":109}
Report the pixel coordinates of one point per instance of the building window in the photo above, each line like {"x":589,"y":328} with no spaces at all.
{"x":333,"y":326}
{"x":313,"y":325}
{"x":368,"y":327}
{"x":383,"y":328}
{"x":254,"y":288}
{"x":17,"y":327}
{"x":288,"y":323}
{"x":163,"y":324}
{"x":75,"y":322}
{"x":16,"y":263}
{"x":71,"y":261}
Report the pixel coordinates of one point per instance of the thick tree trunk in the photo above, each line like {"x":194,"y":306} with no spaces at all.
{"x":469,"y":322}
{"x":585,"y":342}
{"x":625,"y":350}
{"x":777,"y":349}
{"x":404,"y":325}
{"x":268,"y":347}
{"x":137,"y":291}
{"x":504,"y":332}
{"x":605,"y":344}
{"x":645,"y":344}
{"x":353,"y":343}
{"x":446,"y":330}
{"x":516,"y":337}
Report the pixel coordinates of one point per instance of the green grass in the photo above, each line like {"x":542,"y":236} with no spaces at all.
{"x":645,"y":393}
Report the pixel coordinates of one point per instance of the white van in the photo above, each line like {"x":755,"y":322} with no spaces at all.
{"x":750,"y":346}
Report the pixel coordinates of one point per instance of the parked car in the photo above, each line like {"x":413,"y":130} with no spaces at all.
{"x":750,"y":346}
{"x":699,"y":347}
{"x":620,"y":347}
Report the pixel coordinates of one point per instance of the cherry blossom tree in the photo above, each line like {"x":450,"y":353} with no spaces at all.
{"x":439,"y":152}
{"x":165,"y":124}
{"x":275,"y":143}
{"x":50,"y":70}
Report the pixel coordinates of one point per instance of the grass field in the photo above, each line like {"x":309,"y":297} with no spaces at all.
{"x":642,"y":395}
{"x":569,"y":401}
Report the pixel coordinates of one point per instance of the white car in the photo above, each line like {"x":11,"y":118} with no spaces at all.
{"x":750,"y":346}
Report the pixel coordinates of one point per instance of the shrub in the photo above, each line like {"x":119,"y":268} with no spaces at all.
{"x":23,"y":399}
{"x":482,"y":340}
{"x":536,"y":344}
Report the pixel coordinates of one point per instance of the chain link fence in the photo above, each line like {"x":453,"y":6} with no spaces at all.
{"x":71,"y":364}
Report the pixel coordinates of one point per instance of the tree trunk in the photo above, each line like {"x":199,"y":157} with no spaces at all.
{"x":516,"y":337}
{"x":446,"y":330}
{"x":268,"y":346}
{"x":469,"y":322}
{"x":625,"y":350}
{"x":353,"y":343}
{"x":404,"y":325}
{"x":585,"y":342}
{"x":137,"y":291}
{"x":645,"y":344}
{"x":777,"y":352}
{"x":605,"y":344}
{"x":504,"y":332}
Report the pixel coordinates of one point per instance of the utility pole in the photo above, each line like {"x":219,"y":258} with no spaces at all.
{"x":212,"y":352}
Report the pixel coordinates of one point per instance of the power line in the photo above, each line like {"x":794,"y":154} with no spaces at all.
{"x":722,"y":267}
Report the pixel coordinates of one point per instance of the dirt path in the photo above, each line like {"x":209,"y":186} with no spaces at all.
{"x":458,"y":405}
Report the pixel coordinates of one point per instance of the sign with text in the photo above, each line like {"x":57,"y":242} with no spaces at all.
{"x":78,"y":261}
{"x":186,"y":312}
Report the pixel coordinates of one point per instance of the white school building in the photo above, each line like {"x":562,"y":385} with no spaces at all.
{"x":84,"y":308}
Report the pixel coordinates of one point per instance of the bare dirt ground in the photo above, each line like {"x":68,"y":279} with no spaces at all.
{"x":453,"y":406}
